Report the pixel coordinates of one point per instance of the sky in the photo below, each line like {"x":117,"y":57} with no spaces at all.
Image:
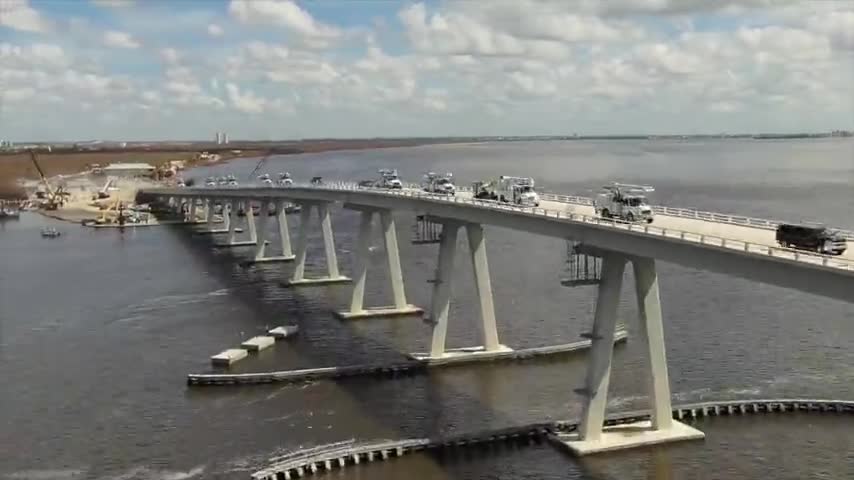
{"x":281,"y":69}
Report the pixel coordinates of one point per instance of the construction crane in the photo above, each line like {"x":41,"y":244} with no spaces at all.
{"x":54,"y":197}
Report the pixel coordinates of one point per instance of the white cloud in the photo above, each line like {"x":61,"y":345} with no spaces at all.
{"x":215,"y":30}
{"x":284,"y":13}
{"x":19,"y":15}
{"x":170,"y":56}
{"x":246,"y":101}
{"x":117,"y":39}
{"x":114,"y":3}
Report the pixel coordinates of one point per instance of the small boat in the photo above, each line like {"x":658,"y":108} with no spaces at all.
{"x":50,"y":232}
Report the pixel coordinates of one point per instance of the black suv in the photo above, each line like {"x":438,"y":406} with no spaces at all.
{"x":808,"y":237}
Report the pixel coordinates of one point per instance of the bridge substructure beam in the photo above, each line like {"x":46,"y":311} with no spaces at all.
{"x":440,"y":305}
{"x":232,"y":224}
{"x":209,"y":215}
{"x":592,"y":436}
{"x":261,"y":247}
{"x":333,"y":274}
{"x":395,"y":273}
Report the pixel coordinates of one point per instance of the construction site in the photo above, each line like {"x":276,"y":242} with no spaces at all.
{"x":98,"y":195}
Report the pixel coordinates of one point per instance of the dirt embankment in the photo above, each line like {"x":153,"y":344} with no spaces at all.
{"x":15,"y":166}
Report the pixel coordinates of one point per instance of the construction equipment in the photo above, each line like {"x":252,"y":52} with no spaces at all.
{"x":54,"y":198}
{"x":435,"y":183}
{"x":624,"y":202}
{"x":104,"y":192}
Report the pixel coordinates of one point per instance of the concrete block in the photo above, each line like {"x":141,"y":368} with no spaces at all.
{"x":256,"y":344}
{"x":377,"y":312}
{"x":284,"y":331}
{"x":629,"y":435}
{"x":229,"y":356}
{"x":280,"y":258}
{"x":316,"y":281}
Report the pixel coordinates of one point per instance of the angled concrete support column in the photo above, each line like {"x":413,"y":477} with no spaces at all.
{"x":191,"y":210}
{"x":328,"y":240}
{"x":599,"y":364}
{"x":483,"y":284}
{"x":490,"y":347}
{"x":225,"y":216}
{"x":209,"y":211}
{"x":361,"y":260}
{"x":441,"y":302}
{"x":592,"y":436}
{"x":234,"y":206}
{"x":261,"y":232}
{"x":286,"y":255}
{"x":284,"y":233}
{"x":298,"y":277}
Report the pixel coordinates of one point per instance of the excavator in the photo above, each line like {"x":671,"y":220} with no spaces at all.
{"x":55,"y":198}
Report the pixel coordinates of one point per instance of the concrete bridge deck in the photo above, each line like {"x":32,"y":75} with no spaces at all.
{"x":730,"y":249}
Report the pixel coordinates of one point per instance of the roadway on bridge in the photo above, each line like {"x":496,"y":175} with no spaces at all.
{"x":698,"y":227}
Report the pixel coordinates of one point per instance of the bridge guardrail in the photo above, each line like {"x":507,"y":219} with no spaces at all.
{"x":690,"y":213}
{"x":704,"y":239}
{"x":649,"y":229}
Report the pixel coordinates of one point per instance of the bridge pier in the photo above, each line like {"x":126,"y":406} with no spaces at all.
{"x":192,"y":214}
{"x":592,"y":436}
{"x":362,"y":258}
{"x":209,"y":216}
{"x":333,"y":274}
{"x":490,"y":346}
{"x":232,"y":226}
{"x":261,"y":248}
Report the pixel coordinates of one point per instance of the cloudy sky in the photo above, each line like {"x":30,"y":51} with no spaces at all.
{"x":274,"y":69}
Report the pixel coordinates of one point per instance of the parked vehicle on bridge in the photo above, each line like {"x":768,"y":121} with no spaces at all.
{"x":317,"y":181}
{"x":624,"y":202}
{"x":389,"y":179}
{"x":815,"y":238}
{"x":210,"y":182}
{"x":285,"y":179}
{"x":518,"y":190}
{"x":436,"y":183}
{"x":265,"y":179}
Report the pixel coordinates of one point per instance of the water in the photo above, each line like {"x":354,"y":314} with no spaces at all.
{"x":98,"y":329}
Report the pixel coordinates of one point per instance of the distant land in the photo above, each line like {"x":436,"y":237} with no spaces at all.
{"x":304,"y":145}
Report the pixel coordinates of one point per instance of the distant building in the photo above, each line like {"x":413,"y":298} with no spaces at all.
{"x":128,"y":170}
{"x":218,"y":138}
{"x":225,"y":138}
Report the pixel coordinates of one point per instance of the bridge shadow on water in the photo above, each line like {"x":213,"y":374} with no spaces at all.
{"x":414,"y":409}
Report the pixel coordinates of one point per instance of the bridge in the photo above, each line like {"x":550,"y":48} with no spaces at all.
{"x":730,"y":245}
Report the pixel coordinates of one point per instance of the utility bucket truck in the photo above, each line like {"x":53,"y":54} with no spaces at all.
{"x":624,"y":202}
{"x":389,"y":179}
{"x":435,"y":183}
{"x":518,"y":190}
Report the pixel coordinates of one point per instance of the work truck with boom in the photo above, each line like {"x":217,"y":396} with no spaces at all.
{"x":436,"y":183}
{"x":624,"y":202}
